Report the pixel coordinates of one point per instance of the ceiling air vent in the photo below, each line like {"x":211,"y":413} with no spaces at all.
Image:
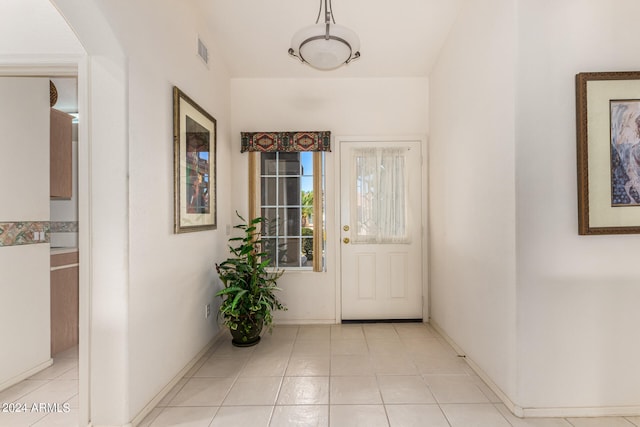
{"x":203,"y":52}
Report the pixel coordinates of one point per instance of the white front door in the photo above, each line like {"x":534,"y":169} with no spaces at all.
{"x":381,"y":230}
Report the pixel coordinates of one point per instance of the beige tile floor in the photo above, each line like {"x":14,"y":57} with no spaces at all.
{"x":56,"y":385}
{"x":366,"y":375}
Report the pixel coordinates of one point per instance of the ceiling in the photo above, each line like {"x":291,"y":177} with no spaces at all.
{"x":253,"y":37}
{"x":397,"y":39}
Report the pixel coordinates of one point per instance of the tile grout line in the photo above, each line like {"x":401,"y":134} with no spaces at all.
{"x":329,"y":386}
{"x":432,"y":394}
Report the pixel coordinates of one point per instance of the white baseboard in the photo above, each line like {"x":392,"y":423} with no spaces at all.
{"x":167,"y":388}
{"x":552,"y":412}
{"x":24,"y":375}
{"x":515,"y":409}
{"x":305,"y":322}
{"x":580,"y":412}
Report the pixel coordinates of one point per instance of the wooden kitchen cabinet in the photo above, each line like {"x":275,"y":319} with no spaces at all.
{"x":64,"y":300}
{"x":61,"y":186}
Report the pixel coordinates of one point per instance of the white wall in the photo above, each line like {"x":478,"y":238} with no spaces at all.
{"x":346,"y":107}
{"x":548,"y":315}
{"x":24,"y":189}
{"x":147,"y":321}
{"x":170,"y":277}
{"x":577,"y":295}
{"x":472,"y":188}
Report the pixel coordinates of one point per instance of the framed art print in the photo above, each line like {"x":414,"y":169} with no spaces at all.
{"x":608,"y":147}
{"x":194,"y":158}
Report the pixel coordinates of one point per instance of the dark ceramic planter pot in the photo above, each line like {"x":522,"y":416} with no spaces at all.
{"x":248,"y":338}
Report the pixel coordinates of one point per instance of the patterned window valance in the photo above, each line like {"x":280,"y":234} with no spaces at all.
{"x":286,"y":141}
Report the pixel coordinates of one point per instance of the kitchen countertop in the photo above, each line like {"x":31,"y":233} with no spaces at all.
{"x":56,"y":251}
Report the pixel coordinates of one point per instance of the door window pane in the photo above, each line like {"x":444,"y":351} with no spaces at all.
{"x":379,"y":195}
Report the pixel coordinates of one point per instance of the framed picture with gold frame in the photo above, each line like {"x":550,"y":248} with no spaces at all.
{"x":194,"y":159}
{"x":608,"y":149}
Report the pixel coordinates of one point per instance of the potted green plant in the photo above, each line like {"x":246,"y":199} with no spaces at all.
{"x":248,"y":296}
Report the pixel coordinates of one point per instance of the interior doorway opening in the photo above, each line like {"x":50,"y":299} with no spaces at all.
{"x":66,"y":372}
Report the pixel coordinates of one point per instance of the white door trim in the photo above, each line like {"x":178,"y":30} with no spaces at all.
{"x":338,"y":140}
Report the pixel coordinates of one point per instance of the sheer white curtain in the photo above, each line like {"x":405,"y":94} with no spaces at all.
{"x":379,"y":196}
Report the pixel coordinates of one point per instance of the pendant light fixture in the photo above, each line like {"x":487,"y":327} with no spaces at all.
{"x":325,"y":46}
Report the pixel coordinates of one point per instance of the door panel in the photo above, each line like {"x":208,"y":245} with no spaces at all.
{"x":365,"y":275}
{"x":381,"y":230}
{"x":398,"y":268}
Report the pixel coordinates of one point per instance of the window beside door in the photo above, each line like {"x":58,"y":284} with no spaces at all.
{"x":288,"y":192}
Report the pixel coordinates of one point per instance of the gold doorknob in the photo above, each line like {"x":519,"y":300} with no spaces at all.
{"x":345,"y":228}
{"x":346,"y":240}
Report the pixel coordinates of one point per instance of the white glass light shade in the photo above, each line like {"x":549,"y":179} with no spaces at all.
{"x":312,"y":46}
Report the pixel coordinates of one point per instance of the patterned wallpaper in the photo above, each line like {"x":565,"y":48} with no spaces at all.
{"x":24,"y":233}
{"x":32,"y":232}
